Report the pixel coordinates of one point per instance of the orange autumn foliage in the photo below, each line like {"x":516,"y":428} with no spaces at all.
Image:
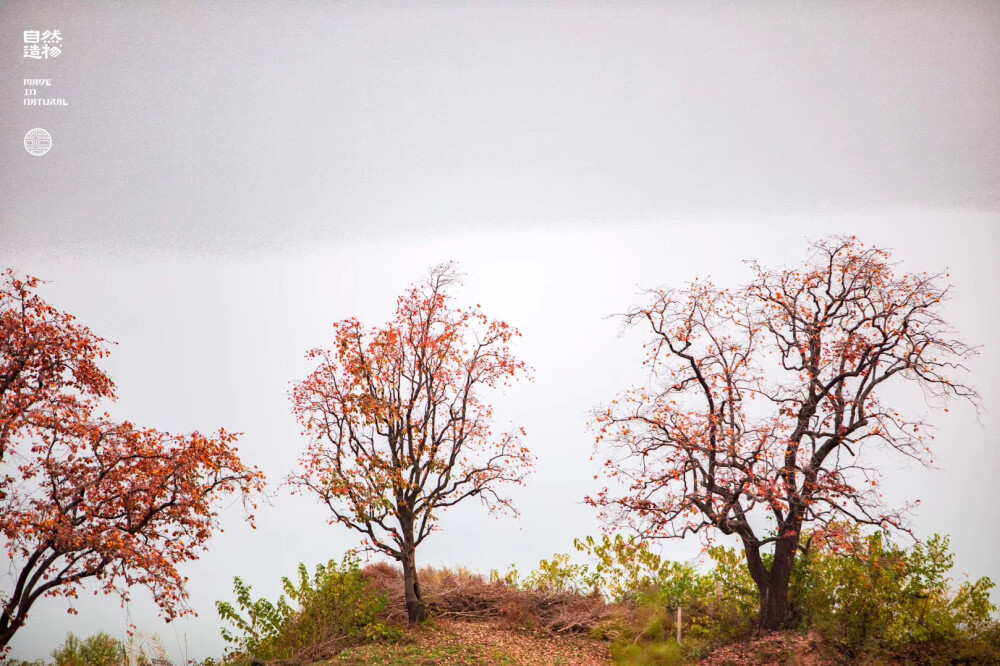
{"x":85,"y":497}
{"x":397,"y":424}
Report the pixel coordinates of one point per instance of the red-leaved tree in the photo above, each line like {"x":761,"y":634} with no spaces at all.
{"x":81,"y":496}
{"x":767,"y":401}
{"x":397,"y":424}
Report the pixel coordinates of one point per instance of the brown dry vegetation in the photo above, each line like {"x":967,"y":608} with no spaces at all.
{"x":464,"y":595}
{"x":476,"y":621}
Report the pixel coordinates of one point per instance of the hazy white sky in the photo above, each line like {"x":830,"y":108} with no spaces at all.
{"x":229,"y":179}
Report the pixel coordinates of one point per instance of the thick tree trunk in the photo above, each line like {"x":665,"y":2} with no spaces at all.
{"x":416,"y":611}
{"x":773,"y":592}
{"x":773,"y":605}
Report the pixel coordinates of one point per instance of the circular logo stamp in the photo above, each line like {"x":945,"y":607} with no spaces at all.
{"x":37,"y":141}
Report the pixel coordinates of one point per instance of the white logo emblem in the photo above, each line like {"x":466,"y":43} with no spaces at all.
{"x":37,"y":141}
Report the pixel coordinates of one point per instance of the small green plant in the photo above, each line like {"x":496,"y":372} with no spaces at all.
{"x":511,"y":578}
{"x":623,"y":568}
{"x":660,"y":653}
{"x":261,"y":626}
{"x":335,"y":606}
{"x":559,"y":575}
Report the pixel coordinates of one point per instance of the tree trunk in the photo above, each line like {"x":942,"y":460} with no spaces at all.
{"x":774,"y":592}
{"x":5,"y":637}
{"x":773,"y":606}
{"x":416,"y":611}
{"x":10,"y":622}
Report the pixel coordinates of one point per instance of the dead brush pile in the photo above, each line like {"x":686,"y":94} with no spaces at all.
{"x":463,"y":594}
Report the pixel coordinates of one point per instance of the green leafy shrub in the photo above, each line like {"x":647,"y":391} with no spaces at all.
{"x":718,"y":605}
{"x":263,"y":623}
{"x":97,"y":650}
{"x":623,"y":568}
{"x":100,"y":649}
{"x":866,"y":595}
{"x":559,"y":575}
{"x":316,"y":616}
{"x":876,"y":595}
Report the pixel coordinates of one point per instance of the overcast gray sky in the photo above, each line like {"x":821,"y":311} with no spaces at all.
{"x":230,"y":178}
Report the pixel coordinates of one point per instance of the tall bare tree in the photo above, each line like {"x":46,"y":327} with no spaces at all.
{"x":766,"y":401}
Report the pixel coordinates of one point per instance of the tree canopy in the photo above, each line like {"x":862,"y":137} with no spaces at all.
{"x":83,"y":496}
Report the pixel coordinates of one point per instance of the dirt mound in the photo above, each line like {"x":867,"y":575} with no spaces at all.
{"x":787,"y":649}
{"x":461,"y":643}
{"x":464,"y":595}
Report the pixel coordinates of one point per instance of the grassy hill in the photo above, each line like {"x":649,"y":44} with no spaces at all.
{"x":876,"y":603}
{"x":880,"y":604}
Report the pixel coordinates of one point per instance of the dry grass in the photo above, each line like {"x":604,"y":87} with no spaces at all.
{"x":464,"y":595}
